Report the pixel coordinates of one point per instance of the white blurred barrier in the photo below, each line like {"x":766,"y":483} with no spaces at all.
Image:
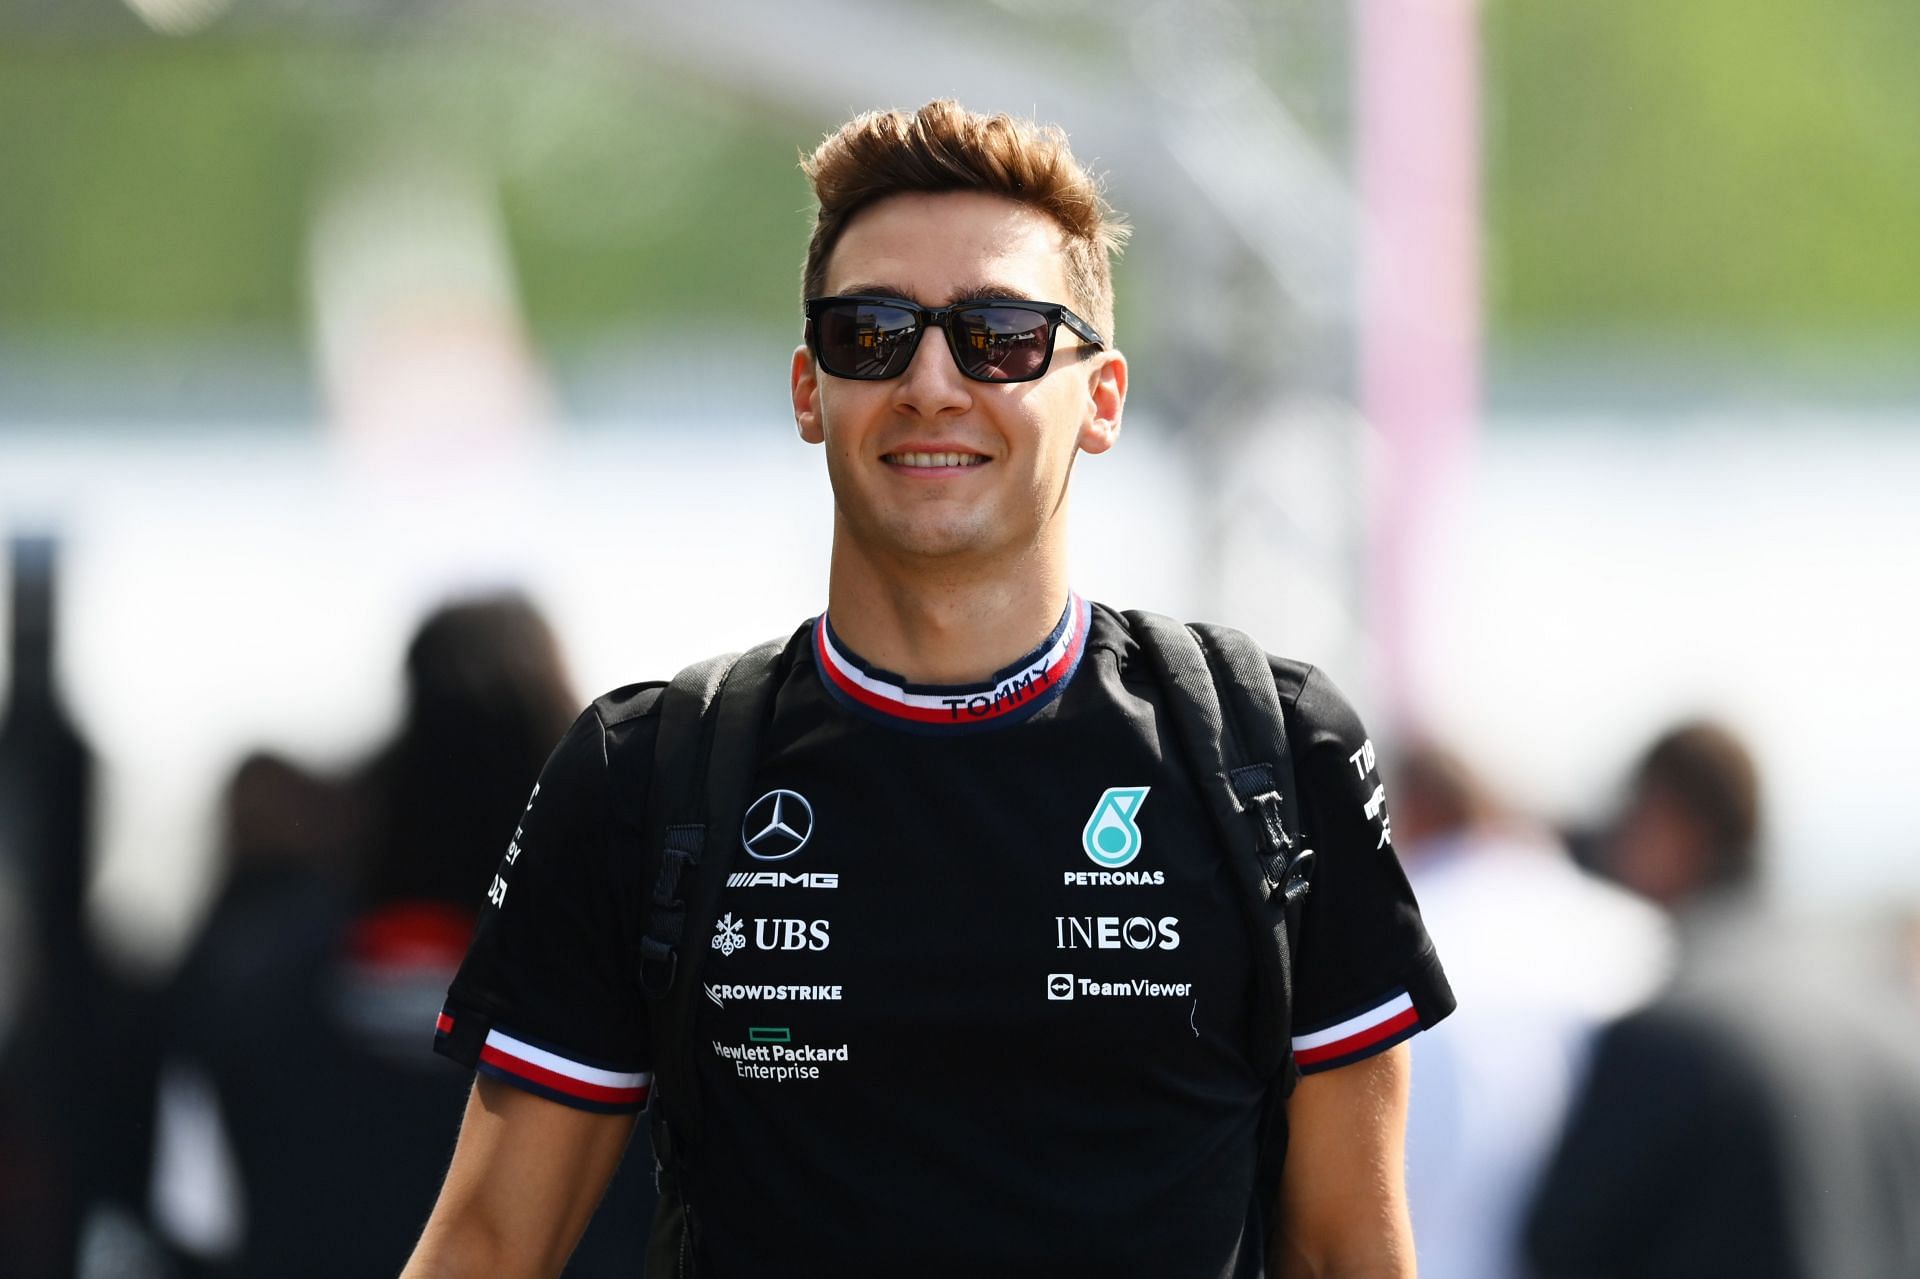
{"x":1596,"y":582}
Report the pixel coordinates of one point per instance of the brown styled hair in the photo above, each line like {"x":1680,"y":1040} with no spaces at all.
{"x":945,"y":147}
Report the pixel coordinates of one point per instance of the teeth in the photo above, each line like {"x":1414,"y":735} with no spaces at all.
{"x":937,"y":459}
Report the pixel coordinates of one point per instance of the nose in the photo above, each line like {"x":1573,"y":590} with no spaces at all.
{"x":932,"y":383}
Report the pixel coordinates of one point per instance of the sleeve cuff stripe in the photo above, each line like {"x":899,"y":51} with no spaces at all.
{"x":555,"y":1082}
{"x":521,"y":1081}
{"x":509,"y":1056}
{"x":546,"y":1059}
{"x":1399,"y":1003}
{"x":1407,"y":1021}
{"x":1360,"y":1052}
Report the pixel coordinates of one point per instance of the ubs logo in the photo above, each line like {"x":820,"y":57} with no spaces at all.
{"x":730,"y":934}
{"x":777,"y":825}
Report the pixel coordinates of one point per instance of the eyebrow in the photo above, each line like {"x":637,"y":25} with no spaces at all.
{"x":973,"y":293}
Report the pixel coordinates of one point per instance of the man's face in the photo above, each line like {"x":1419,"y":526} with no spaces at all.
{"x":891,"y":445}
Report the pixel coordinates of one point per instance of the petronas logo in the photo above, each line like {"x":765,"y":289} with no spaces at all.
{"x":1111,"y":837}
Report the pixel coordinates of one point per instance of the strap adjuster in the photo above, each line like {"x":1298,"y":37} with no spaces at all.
{"x":659,"y":964}
{"x":666,"y":886}
{"x":1299,"y":876}
{"x":1286,"y":871}
{"x":659,"y":949}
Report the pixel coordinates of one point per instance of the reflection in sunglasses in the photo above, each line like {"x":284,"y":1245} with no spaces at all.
{"x":990,"y":341}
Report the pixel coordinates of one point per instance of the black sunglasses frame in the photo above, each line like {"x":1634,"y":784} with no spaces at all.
{"x":926,"y":317}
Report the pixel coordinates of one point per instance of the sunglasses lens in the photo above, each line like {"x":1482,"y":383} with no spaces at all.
{"x":864,"y":339}
{"x":1001,"y":343}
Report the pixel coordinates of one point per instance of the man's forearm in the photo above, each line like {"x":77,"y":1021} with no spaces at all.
{"x":460,"y":1246}
{"x":1384,"y":1255}
{"x":526,"y":1175}
{"x":1343,"y":1212}
{"x":1295,"y":1266}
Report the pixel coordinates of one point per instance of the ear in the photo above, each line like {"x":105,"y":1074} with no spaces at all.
{"x":1106,"y":397}
{"x":806,"y":396}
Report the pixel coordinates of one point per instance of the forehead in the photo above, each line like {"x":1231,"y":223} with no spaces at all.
{"x":936,"y":248}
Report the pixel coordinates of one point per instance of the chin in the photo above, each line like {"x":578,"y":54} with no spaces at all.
{"x":947,"y":538}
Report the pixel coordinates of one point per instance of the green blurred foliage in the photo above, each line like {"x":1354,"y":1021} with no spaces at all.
{"x":165,"y":187}
{"x":1711,"y":166}
{"x":150,"y":187}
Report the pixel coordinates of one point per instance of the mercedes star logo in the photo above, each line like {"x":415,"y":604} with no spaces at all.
{"x":777,"y":825}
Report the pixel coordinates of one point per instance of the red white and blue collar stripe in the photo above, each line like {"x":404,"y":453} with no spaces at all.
{"x":1014,"y":693}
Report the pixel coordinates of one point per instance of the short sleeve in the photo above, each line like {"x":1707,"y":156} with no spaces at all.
{"x":547,"y":998}
{"x":1365,"y":974}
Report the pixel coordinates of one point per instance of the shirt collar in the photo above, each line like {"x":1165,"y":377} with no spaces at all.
{"x":1012,"y":694}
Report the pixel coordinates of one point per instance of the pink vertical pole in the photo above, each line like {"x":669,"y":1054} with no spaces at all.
{"x":1419,"y":359}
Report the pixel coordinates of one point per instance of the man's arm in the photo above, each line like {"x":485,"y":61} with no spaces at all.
{"x":1343,"y":1198}
{"x":526,"y":1175}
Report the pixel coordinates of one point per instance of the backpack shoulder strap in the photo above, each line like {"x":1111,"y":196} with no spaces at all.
{"x":1264,"y":776}
{"x":675,"y":834}
{"x":711,"y":716}
{"x":1229,"y":727}
{"x":703,"y":757}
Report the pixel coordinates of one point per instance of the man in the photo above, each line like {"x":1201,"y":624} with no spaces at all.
{"x":1761,"y":1117}
{"x":950,"y":1037}
{"x":1541,"y":954}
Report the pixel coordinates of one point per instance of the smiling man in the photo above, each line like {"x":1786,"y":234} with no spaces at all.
{"x":980,"y":995}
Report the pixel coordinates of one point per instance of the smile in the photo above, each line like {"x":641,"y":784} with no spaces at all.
{"x":931,"y":460}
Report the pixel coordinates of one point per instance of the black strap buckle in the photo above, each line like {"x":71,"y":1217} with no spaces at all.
{"x":667,"y":922}
{"x":666,"y":886}
{"x":1260,"y":798}
{"x":1299,"y":877}
{"x":659,"y":964}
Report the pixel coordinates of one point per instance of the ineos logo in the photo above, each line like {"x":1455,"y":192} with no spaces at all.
{"x":777,"y":825}
{"x":1110,"y":932}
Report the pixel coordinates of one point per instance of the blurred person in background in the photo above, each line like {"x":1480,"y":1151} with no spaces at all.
{"x":1541,"y":954}
{"x":77,"y":1032}
{"x":1761,"y":1117}
{"x":1689,"y":836}
{"x":219,"y":1168}
{"x":302,"y":1131}
{"x":26,"y":1198}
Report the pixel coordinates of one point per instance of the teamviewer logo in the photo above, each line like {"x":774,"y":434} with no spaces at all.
{"x":1059,"y":985}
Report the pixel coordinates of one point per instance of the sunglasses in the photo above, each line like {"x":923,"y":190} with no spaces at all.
{"x":870,"y":339}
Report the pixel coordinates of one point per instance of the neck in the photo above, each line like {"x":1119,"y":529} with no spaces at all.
{"x":944,"y":622}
